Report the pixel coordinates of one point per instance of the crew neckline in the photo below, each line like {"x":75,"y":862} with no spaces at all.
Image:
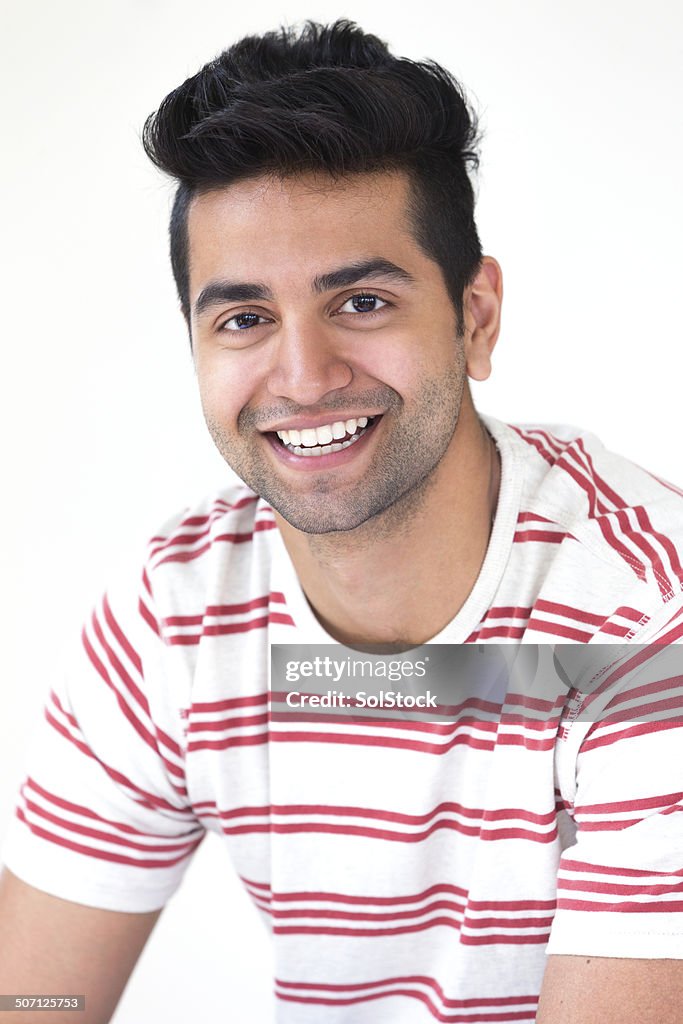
{"x":481,"y":596}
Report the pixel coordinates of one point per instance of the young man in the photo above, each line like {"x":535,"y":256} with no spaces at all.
{"x":336,"y":296}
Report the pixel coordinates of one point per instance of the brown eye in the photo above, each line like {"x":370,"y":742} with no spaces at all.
{"x":241,"y":321}
{"x":363,"y":304}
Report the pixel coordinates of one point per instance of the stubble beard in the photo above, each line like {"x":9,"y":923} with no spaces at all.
{"x":390,"y":493}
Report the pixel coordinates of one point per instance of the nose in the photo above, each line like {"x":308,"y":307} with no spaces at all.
{"x":306,"y":364}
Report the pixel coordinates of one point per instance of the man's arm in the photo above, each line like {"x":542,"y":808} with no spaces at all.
{"x":596,"y":990}
{"x":50,"y":946}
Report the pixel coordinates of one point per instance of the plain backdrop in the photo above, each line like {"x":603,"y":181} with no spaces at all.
{"x":579,"y":198}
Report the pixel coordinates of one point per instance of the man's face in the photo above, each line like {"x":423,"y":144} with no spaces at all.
{"x":330,"y":368}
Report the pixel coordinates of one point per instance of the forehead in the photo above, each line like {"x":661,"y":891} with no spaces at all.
{"x":271,"y":226}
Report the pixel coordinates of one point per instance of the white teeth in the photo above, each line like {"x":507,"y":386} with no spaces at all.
{"x":309,"y":437}
{"x":324,"y":434}
{"x":318,"y":440}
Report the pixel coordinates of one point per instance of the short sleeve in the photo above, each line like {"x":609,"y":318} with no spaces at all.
{"x":620,"y":884}
{"x":103,"y":816}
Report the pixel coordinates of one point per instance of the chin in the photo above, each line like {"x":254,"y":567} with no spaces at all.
{"x":310,"y":521}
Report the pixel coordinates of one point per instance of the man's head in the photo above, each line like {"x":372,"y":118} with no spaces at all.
{"x":330,"y":100}
{"x":329,"y":269}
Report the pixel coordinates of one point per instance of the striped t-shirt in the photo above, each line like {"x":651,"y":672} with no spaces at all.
{"x":408,"y":870}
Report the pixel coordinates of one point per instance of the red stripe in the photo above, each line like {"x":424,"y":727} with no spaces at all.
{"x":473,"y":1018}
{"x":607,"y":530}
{"x":148,"y":799}
{"x":86,"y":812}
{"x":233,"y":741}
{"x":616,"y":889}
{"x":229,"y":703}
{"x":228,"y":723}
{"x":409,"y":725}
{"x":104,"y":854}
{"x":513,"y":740}
{"x":533,"y":517}
{"x":654,"y":707}
{"x":148,"y":617}
{"x":146,"y":584}
{"x":508,"y":612}
{"x":378,"y":814}
{"x":671,"y":636}
{"x":594,"y":504}
{"x":140,"y":728}
{"x":488,"y":835}
{"x":504,"y":940}
{"x":419,"y":926}
{"x":656,"y":564}
{"x":628,"y":907}
{"x":642,"y":729}
{"x":224,"y":629}
{"x":128,"y":713}
{"x":348,"y":915}
{"x":123,"y":641}
{"x":216,"y":610}
{"x":356,"y":915}
{"x":554,"y":442}
{"x":349,"y":739}
{"x":230,"y":538}
{"x":639,"y":539}
{"x":595,"y":869}
{"x":365,"y":933}
{"x":416,"y":979}
{"x":217,"y":512}
{"x":567,"y":610}
{"x":410,"y":819}
{"x":615,"y":630}
{"x":630,"y":805}
{"x":364,"y":900}
{"x":95,"y":833}
{"x":535,"y":443}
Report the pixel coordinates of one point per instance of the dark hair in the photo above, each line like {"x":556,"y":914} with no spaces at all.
{"x":332,"y":99}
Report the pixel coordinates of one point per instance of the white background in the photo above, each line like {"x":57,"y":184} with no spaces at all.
{"x":580,"y":199}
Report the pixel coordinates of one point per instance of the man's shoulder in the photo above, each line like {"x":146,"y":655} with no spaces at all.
{"x":574,"y":474}
{"x":229,"y":527}
{"x":598,"y":540}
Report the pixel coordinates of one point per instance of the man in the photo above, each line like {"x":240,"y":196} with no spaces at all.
{"x":337,"y":299}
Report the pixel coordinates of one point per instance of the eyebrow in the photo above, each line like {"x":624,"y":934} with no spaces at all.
{"x":242,"y":291}
{"x":354,"y":272}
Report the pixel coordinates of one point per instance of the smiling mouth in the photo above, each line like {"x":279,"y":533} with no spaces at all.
{"x":331,"y":437}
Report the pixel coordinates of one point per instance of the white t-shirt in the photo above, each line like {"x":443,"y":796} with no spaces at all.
{"x":408,"y":871}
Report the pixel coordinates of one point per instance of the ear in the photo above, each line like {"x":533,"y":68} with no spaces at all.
{"x":482,"y":302}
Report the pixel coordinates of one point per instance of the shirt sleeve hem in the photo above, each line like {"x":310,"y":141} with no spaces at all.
{"x":643,"y":944}
{"x":103,"y":896}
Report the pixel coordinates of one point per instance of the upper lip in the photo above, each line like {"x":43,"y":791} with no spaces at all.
{"x":308,"y":422}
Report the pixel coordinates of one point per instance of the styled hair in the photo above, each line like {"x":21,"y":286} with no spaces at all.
{"x":329,"y":98}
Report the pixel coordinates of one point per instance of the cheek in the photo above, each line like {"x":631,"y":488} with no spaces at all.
{"x":225,"y":387}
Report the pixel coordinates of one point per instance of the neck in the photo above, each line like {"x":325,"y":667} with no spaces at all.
{"x":402,"y":576}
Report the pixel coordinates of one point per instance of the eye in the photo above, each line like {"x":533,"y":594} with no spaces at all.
{"x":362,"y":303}
{"x":242,"y":321}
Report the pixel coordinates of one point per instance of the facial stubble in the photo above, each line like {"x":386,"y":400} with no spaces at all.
{"x":415,"y":437}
